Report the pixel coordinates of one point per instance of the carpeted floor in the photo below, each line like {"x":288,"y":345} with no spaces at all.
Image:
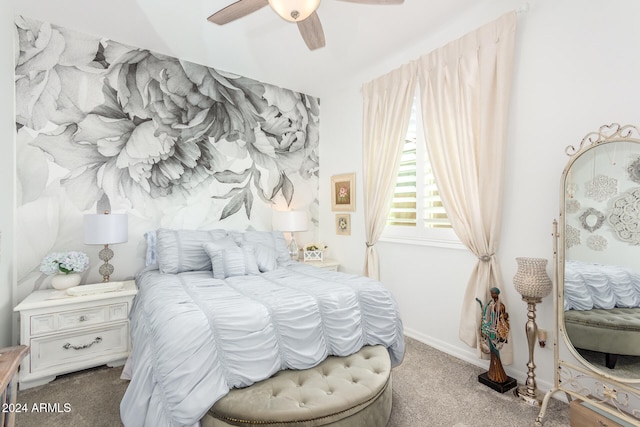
{"x":430,"y":388}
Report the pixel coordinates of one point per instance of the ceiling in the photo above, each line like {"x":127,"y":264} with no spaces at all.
{"x":262,"y":45}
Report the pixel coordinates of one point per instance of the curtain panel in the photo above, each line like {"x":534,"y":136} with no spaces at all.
{"x":465,"y":90}
{"x":387,"y":110}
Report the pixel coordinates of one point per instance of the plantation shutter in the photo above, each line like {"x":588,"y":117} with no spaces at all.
{"x":408,"y":196}
{"x":403,"y":206}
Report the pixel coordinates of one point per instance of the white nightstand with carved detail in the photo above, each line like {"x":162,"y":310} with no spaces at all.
{"x":327,"y":264}
{"x":70,"y":333}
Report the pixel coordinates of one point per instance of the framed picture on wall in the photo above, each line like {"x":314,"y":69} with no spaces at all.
{"x":343,"y":224}
{"x":343,"y":192}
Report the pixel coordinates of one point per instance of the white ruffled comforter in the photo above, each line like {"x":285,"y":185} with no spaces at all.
{"x":195,"y":337}
{"x":589,"y":285}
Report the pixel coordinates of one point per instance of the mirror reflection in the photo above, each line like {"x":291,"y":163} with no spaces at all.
{"x":602,"y":257}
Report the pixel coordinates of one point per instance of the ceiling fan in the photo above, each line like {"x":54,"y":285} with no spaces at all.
{"x":302,"y":12}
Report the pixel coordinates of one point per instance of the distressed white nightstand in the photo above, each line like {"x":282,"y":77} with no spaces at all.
{"x":327,"y":264}
{"x":70,"y":333}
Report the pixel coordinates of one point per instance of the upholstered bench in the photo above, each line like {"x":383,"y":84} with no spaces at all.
{"x":339,"y":392}
{"x":614,"y":332}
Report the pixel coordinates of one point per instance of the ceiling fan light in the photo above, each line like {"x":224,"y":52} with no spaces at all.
{"x":294,"y":10}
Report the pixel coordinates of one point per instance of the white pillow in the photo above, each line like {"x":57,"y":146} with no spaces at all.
{"x":151,"y":255}
{"x":266,"y":257}
{"x":181,"y":250}
{"x":273,"y":240}
{"x":229,"y":259}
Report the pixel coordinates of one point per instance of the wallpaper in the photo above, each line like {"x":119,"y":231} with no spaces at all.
{"x":105,"y":126}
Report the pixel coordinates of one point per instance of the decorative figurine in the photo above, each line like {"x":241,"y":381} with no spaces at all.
{"x":494,"y":330}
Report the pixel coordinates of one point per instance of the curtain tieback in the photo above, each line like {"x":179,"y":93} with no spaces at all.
{"x":369,"y":245}
{"x":486,"y":257}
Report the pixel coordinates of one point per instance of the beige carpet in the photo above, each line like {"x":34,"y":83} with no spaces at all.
{"x":430,"y":388}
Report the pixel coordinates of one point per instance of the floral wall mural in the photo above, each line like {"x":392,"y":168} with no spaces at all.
{"x":105,"y":126}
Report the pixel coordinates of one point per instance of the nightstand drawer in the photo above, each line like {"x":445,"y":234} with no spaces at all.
{"x":78,"y":318}
{"x":71,"y":348}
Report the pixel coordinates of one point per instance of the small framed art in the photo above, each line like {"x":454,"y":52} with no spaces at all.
{"x":343,"y":192}
{"x":343,"y":224}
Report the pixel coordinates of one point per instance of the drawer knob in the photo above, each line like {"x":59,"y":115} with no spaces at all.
{"x":68,"y":345}
{"x":83,"y":318}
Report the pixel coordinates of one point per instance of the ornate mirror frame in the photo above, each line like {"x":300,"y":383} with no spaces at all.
{"x":583,"y":380}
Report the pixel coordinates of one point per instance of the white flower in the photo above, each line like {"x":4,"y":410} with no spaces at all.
{"x":64,"y":262}
{"x":315,"y":246}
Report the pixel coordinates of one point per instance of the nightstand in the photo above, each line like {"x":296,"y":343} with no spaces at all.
{"x":326,"y":264}
{"x":70,"y":333}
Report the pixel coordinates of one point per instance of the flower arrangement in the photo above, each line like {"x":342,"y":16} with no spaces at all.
{"x":314,"y":251}
{"x":64,"y":262}
{"x":315,"y":247}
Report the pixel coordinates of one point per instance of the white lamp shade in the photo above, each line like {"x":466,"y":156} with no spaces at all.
{"x":294,"y":10}
{"x":105,"y":229}
{"x":290,"y":220}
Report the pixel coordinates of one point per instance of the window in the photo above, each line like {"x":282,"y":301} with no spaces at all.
{"x":416,"y":214}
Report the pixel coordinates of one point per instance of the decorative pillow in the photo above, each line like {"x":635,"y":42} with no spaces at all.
{"x":266,"y":257}
{"x":152,"y":255}
{"x":181,"y":250}
{"x":273,"y":240}
{"x":229,"y":259}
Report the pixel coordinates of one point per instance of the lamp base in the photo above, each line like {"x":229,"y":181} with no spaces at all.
{"x":293,"y":249}
{"x":499,"y":387}
{"x":105,"y":269}
{"x":534,"y":399}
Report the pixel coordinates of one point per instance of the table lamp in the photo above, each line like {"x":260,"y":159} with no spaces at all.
{"x":290,"y":221}
{"x":105,"y":229}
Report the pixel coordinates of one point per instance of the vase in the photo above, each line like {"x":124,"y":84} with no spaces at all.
{"x":64,"y":281}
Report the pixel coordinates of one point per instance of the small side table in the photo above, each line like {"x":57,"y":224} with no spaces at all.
{"x":10,"y":359}
{"x":326,"y":264}
{"x":71,"y":333}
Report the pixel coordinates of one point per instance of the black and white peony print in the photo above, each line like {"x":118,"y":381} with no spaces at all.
{"x":102,"y":125}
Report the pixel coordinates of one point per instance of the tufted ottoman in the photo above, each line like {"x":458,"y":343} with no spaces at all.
{"x":339,"y":392}
{"x":614,"y":331}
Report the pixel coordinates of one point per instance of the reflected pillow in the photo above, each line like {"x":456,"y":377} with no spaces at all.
{"x":181,"y":250}
{"x":229,"y":259}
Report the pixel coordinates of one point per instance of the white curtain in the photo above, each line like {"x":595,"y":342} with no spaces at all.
{"x":387,"y":109}
{"x":465,"y":90}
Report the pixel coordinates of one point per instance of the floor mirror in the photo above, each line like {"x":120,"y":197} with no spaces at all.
{"x":597,"y":275}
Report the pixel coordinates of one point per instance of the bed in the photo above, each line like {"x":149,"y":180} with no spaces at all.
{"x":220,"y":310}
{"x":602,"y":309}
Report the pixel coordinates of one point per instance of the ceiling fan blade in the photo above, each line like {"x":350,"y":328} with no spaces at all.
{"x":236,"y":10}
{"x":376,"y":1}
{"x":311,"y":31}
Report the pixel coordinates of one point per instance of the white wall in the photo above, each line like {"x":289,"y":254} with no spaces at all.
{"x":576,"y":68}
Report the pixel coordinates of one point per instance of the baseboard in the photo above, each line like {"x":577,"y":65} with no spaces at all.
{"x":470,"y":357}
